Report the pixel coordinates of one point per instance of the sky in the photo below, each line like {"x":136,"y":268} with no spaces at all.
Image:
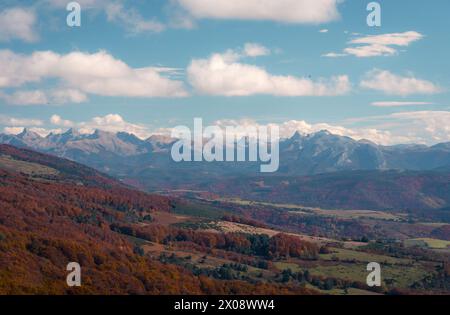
{"x":305,"y":65}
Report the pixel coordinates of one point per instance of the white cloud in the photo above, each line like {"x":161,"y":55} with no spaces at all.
{"x":289,"y":128}
{"x":12,"y":130}
{"x":398,"y":104}
{"x":370,"y":51}
{"x":223,"y":74}
{"x":64,"y":96}
{"x":392,"y":84}
{"x":17,"y":122}
{"x":43,"y":132}
{"x":360,"y":133}
{"x":323,"y":31}
{"x":427,"y":127}
{"x":111,"y":122}
{"x":58,"y":121}
{"x":394,"y":39}
{"x":35,"y":97}
{"x":255,"y":50}
{"x":98,"y":73}
{"x":132,"y":19}
{"x":286,"y":11}
{"x":334,"y":55}
{"x":17,"y":23}
{"x":40,"y":97}
{"x":116,"y":12}
{"x":423,"y":127}
{"x":378,"y":45}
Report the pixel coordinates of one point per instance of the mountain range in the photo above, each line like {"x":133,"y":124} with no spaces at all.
{"x":318,"y":153}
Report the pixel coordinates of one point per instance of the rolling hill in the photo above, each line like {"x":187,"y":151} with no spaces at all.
{"x":424,"y":193}
{"x":54,"y":211}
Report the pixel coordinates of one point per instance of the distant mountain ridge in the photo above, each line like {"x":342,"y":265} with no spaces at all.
{"x":316,"y":153}
{"x":323,"y":152}
{"x":361,"y":189}
{"x":320,"y":169}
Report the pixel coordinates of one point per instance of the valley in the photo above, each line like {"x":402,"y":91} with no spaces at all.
{"x":338,"y":267}
{"x":234,"y":235}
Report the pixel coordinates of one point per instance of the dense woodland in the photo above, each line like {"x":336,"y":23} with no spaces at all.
{"x":125,"y":246}
{"x":47,"y":222}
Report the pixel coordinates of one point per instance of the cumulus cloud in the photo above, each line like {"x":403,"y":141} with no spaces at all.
{"x":427,"y":127}
{"x":224,"y":74}
{"x":12,"y":130}
{"x":18,"y":23}
{"x":389,"y":83}
{"x":40,"y":131}
{"x":43,"y":132}
{"x":423,"y":127}
{"x":58,"y":121}
{"x":378,"y":45}
{"x":289,"y":128}
{"x":111,"y":122}
{"x":98,"y":73}
{"x":255,"y":50}
{"x":286,"y":11}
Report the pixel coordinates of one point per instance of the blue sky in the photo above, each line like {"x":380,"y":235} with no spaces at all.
{"x":144,"y":66}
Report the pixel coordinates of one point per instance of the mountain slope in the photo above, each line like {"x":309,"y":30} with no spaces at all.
{"x":324,"y":152}
{"x":53,"y":211}
{"x":424,"y":193}
{"x":63,"y":169}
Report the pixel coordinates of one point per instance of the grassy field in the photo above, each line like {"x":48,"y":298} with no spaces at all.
{"x":197,"y":209}
{"x":351,"y":265}
{"x":299,"y":209}
{"x":281,"y":265}
{"x":358,"y":214}
{"x":358,"y":256}
{"x":231,"y":227}
{"x":391,"y":275}
{"x":428,"y":243}
{"x":8,"y":163}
